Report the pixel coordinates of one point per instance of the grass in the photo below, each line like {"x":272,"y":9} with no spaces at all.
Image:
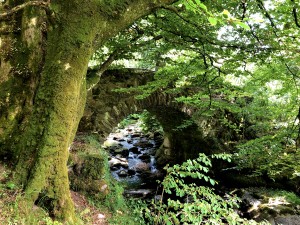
{"x":12,"y":209}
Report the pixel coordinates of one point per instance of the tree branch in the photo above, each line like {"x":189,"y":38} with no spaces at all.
{"x":24,"y":5}
{"x":295,"y":14}
{"x":94,"y":78}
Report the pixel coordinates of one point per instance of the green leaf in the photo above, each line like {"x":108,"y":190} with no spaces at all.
{"x":212,"y":182}
{"x":226,"y":12}
{"x":213,"y":21}
{"x":201,"y":5}
{"x":243,"y":25}
{"x":10,"y":185}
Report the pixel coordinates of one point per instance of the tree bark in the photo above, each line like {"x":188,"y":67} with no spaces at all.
{"x":43,"y":65}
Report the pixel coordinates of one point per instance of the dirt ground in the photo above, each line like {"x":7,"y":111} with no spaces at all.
{"x":88,"y":211}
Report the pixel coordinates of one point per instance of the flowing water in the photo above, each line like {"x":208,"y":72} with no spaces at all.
{"x":132,"y":156}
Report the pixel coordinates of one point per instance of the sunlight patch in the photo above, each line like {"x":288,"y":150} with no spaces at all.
{"x":33,"y":21}
{"x":67,"y":66}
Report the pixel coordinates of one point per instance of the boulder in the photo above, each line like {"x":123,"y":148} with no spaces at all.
{"x":288,"y":219}
{"x":144,"y":144}
{"x":145,"y":157}
{"x":142,"y":167}
{"x":122,"y":151}
{"x":139,"y":193}
{"x":135,"y":135}
{"x":123,"y":173}
{"x":131,"y":172}
{"x":118,"y":162}
{"x":134,"y":150}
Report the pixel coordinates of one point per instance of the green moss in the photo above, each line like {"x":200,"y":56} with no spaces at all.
{"x":113,"y":8}
{"x":286,"y":197}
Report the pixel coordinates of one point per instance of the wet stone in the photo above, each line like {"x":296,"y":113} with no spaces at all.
{"x":141,"y":167}
{"x":131,"y":172}
{"x":144,"y":144}
{"x":145,"y":157}
{"x":122,"y":151}
{"x":114,"y":168}
{"x":136,"y":165}
{"x":123,"y":173}
{"x":118,"y":162}
{"x":135,"y":135}
{"x":134,"y":150}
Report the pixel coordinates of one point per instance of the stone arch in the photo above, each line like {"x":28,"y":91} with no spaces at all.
{"x":106,"y":108}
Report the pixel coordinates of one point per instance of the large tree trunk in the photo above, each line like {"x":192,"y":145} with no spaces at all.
{"x":43,"y":63}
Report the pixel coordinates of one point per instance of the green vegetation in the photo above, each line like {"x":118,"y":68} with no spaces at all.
{"x":232,"y":67}
{"x":145,"y":120}
{"x":241,"y":80}
{"x":191,"y":203}
{"x":12,"y":208}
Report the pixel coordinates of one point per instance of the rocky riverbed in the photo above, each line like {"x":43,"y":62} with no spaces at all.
{"x":132,"y":158}
{"x":133,"y":162}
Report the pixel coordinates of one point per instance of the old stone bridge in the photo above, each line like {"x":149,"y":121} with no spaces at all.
{"x":105,"y":108}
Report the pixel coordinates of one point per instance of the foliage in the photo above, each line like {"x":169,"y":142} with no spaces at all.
{"x":149,"y":123}
{"x":124,"y":211}
{"x":145,"y":120}
{"x":269,"y":156}
{"x":189,"y":203}
{"x":254,"y":99}
{"x":197,"y":6}
{"x":132,"y":118}
{"x":236,"y":65}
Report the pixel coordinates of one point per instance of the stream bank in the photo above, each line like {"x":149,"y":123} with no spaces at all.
{"x":132,"y":162}
{"x":132,"y":159}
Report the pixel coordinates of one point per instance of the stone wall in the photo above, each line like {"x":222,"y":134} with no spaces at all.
{"x":105,"y":108}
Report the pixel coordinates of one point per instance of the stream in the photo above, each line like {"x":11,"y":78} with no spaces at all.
{"x":132,"y":162}
{"x":132,"y":159}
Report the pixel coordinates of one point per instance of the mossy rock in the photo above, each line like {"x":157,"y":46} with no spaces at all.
{"x":93,"y":167}
{"x":99,"y":187}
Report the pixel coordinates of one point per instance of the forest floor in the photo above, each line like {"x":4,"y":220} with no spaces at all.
{"x":86,"y":210}
{"x":12,"y":213}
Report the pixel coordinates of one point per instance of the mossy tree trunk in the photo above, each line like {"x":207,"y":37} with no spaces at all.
{"x":45,"y":49}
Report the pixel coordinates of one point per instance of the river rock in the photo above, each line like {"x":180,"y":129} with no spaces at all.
{"x":139,"y":193}
{"x":144,"y":144}
{"x":145,"y":157}
{"x":134,"y":150}
{"x":135,"y":135}
{"x":122,"y":151}
{"x":120,"y":139}
{"x":131,"y":172}
{"x":118,"y":162}
{"x":142,"y":167}
{"x":114,"y":168}
{"x":260,"y":205}
{"x":287,"y":220}
{"x":123,"y":173}
{"x":110,"y":143}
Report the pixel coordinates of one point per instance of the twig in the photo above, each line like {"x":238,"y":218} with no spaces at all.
{"x":24,"y":5}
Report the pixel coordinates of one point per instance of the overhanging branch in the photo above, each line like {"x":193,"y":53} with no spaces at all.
{"x":295,"y":14}
{"x":24,"y":5}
